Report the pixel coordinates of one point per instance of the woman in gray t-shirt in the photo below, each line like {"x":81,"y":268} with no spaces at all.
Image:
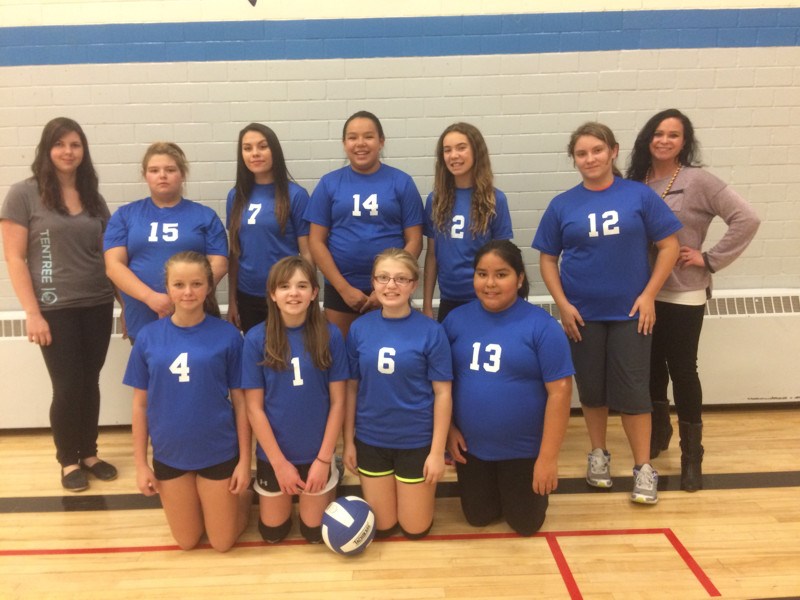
{"x":52,"y":225}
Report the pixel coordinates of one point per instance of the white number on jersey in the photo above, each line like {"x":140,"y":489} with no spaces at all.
{"x":169,"y":232}
{"x":370,"y":204}
{"x":255,"y":209}
{"x":457,"y":230}
{"x":610,"y":220}
{"x":180,"y":367}
{"x":385,"y":362}
{"x":493,"y":350}
{"x":297,"y":379}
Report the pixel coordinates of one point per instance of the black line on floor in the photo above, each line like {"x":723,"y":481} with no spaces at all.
{"x":448,"y":489}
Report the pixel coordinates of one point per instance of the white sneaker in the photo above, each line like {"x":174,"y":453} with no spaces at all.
{"x":598,"y":472}
{"x":645,"y":485}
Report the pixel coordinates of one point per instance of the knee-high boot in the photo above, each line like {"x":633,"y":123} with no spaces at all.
{"x":661,"y":432}
{"x":691,"y":456}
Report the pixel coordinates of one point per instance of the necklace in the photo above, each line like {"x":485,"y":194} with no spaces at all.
{"x":671,"y":181}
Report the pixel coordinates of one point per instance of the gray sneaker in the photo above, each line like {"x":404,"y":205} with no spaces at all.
{"x":645,"y":485}
{"x":598,"y":473}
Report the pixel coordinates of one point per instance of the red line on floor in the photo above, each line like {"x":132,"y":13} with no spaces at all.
{"x":563,"y":567}
{"x":692,"y":564}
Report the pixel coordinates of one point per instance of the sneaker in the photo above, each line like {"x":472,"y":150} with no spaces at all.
{"x":598,"y":473}
{"x":645,"y":485}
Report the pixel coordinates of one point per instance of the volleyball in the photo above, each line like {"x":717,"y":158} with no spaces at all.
{"x":348,"y":525}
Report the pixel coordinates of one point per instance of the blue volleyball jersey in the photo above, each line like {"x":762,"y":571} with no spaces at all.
{"x":297,"y":400}
{"x":151,"y":235}
{"x":365,"y":214}
{"x":457,"y":246}
{"x":187,"y":372}
{"x":603,"y":239}
{"x":261,"y":242}
{"x":501,"y":362}
{"x":395,"y":361}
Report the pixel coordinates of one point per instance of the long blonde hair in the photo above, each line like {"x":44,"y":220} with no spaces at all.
{"x":483,"y":205}
{"x":316,"y":337}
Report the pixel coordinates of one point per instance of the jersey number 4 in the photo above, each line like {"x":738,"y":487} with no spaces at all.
{"x":610,"y":223}
{"x":370,"y":204}
{"x":180,"y":367}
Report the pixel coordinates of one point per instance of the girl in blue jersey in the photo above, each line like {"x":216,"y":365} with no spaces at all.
{"x":186,"y":374}
{"x":605,"y":291}
{"x":512,"y":385}
{"x":356,"y":212}
{"x":142,"y":235}
{"x":265,"y":222}
{"x":294,"y":371}
{"x":462,"y":213}
{"x":398,"y":401}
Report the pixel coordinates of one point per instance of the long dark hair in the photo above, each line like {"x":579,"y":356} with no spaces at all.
{"x":483,"y":203}
{"x":640,"y":159}
{"x":210,"y":305}
{"x":316,"y":337}
{"x":45,"y":175}
{"x":245,"y":180}
{"x":509,"y":253}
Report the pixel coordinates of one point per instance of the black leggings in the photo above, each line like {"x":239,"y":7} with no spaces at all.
{"x":252,"y":310}
{"x":74,"y":360}
{"x":676,"y":336}
{"x":504,"y":488}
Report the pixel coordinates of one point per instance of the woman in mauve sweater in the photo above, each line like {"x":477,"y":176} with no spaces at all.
{"x":665,"y":157}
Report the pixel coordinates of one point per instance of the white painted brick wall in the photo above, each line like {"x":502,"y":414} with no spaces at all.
{"x":745,"y":104}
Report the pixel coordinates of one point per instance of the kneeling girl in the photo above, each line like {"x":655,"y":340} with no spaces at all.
{"x":294,"y":375}
{"x":398,"y":401}
{"x":186,"y":371}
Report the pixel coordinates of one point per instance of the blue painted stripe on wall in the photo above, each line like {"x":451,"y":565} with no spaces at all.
{"x":419,"y":36}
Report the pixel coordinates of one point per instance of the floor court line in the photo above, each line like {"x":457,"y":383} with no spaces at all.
{"x":551,"y":537}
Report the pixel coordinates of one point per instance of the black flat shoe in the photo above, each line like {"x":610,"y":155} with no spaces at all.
{"x":102,"y":470}
{"x":74,"y":481}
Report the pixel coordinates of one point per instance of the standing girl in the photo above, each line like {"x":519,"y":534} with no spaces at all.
{"x":186,"y":374}
{"x":605,"y":292}
{"x":665,"y":156}
{"x":462,"y":213}
{"x":356,"y":212}
{"x":294,"y":375}
{"x":398,"y":401}
{"x":142,"y":235}
{"x":265,"y":222}
{"x":512,"y":387}
{"x":52,"y":227}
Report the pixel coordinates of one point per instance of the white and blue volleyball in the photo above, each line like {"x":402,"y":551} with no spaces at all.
{"x":348,"y":525}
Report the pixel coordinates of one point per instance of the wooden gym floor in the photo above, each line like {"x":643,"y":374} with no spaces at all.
{"x":738,"y":538}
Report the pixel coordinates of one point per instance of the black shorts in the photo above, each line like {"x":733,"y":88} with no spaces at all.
{"x":407,"y":466}
{"x":445,"y":306}
{"x":252,"y":310}
{"x":334,"y":301}
{"x":214,"y":472}
{"x":267,"y":483}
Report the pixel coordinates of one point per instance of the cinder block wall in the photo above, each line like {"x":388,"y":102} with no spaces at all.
{"x":526,"y":79}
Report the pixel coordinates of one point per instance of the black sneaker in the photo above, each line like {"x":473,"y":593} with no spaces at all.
{"x":102,"y":470}
{"x":75,"y":481}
